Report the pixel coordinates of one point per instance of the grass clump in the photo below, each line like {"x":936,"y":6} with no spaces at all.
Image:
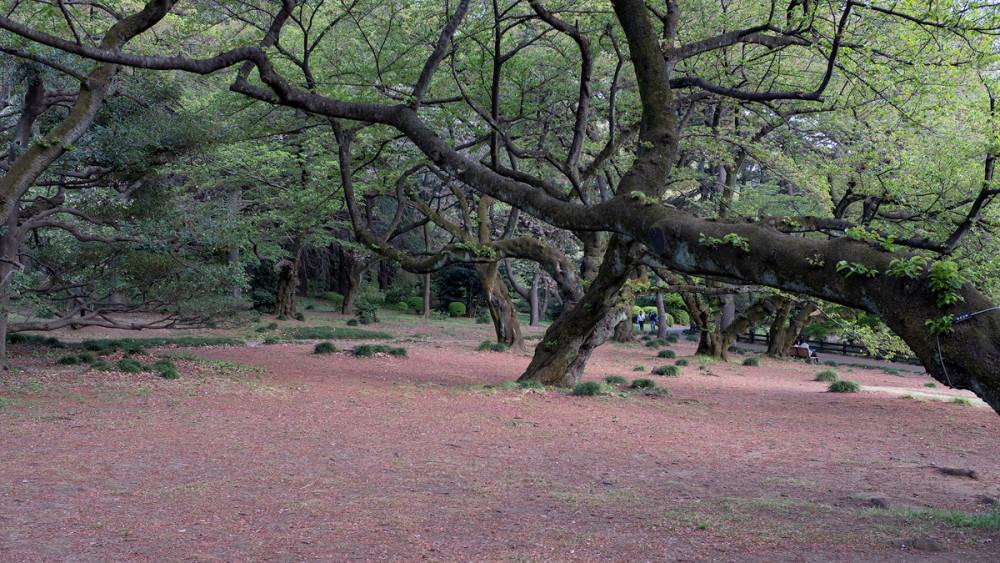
{"x":68,"y":361}
{"x":931,"y":384}
{"x":643,"y":383}
{"x":352,"y":322}
{"x":531,"y":386}
{"x":669,"y":354}
{"x":681,"y":362}
{"x":670,"y":371}
{"x":753,"y":362}
{"x":831,"y":363}
{"x":961,"y":401}
{"x":491,"y":346}
{"x":324,"y":348}
{"x":639,"y":367}
{"x":844,"y":386}
{"x":827,"y":375}
{"x":589,"y":388}
{"x":657,"y":342}
{"x":335,"y":333}
{"x":369,"y":350}
{"x":672,"y":337}
{"x":101,"y":366}
{"x":615,"y":380}
{"x":300,"y":317}
{"x":128,"y":365}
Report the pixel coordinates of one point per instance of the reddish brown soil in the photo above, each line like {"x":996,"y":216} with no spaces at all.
{"x":338,"y":458}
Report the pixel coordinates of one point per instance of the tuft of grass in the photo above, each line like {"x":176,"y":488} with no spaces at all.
{"x":827,"y":375}
{"x":589,"y":388}
{"x":128,"y":365}
{"x":86,"y":358}
{"x":753,"y":362}
{"x":300,"y":317}
{"x":324,"y":348}
{"x":844,"y":386}
{"x":531,"y":386}
{"x":639,"y":367}
{"x":643,"y":384}
{"x":890,"y":371}
{"x":68,"y":360}
{"x":615,"y":380}
{"x":169,"y":373}
{"x":831,"y":363}
{"x":681,"y":363}
{"x":670,"y":371}
{"x":369,"y":350}
{"x":672,"y":337}
{"x":491,"y":346}
{"x":931,"y":384}
{"x":135,"y":345}
{"x":335,"y":333}
{"x":669,"y":354}
{"x":657,"y":342}
{"x":101,"y":366}
{"x":352,"y":322}
{"x":270,"y":340}
{"x":961,"y":401}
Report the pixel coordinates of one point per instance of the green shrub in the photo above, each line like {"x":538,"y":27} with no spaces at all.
{"x":310,"y":307}
{"x":615,"y":380}
{"x":352,"y":322}
{"x":681,"y":317}
{"x":85,"y":358}
{"x":68,"y":361}
{"x":844,"y":386}
{"x":931,"y":384}
{"x":890,"y":371}
{"x":334,"y":333}
{"x":324,"y":348}
{"x":101,"y":366}
{"x":271,"y":340}
{"x":133,"y":349}
{"x":282,"y":318}
{"x":657,"y":342}
{"x":491,"y":346}
{"x":364,"y":351}
{"x":456,"y":309}
{"x":415,"y":304}
{"x":272,"y":326}
{"x":754,"y":362}
{"x":369,"y":350}
{"x":300,"y":317}
{"x":681,"y":363}
{"x":169,"y":373}
{"x":827,"y":375}
{"x":831,"y":363}
{"x":669,"y":354}
{"x":643,"y":384}
{"x":670,"y":371}
{"x":129,"y":365}
{"x":335,"y":298}
{"x":402,"y":306}
{"x":961,"y":401}
{"x":366,"y":311}
{"x":483,"y":317}
{"x":672,"y":337}
{"x":589,"y":388}
{"x":160,"y":365}
{"x":639,"y":367}
{"x":260,"y":329}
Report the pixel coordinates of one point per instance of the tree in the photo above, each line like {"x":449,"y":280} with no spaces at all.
{"x":947,"y":322}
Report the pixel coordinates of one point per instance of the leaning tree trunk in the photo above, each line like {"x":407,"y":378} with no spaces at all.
{"x":562,"y":355}
{"x":288,"y":277}
{"x":661,"y":317}
{"x":776,"y":345}
{"x":502,"y":311}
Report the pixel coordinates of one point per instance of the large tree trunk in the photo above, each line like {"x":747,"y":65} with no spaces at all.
{"x":562,"y":355}
{"x":426,"y":313}
{"x":776,"y":346}
{"x":661,"y":316}
{"x":781,"y":341}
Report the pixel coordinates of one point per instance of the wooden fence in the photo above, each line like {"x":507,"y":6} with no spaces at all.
{"x":842,"y":348}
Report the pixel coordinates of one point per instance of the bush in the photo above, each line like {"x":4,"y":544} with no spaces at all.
{"x":844,"y":386}
{"x":366,"y":311}
{"x":672,"y":337}
{"x":639,"y":367}
{"x":615,"y":380}
{"x":643,"y":384}
{"x":456,"y":309}
{"x":324,"y":348}
{"x":402,"y":306}
{"x":491,"y":346}
{"x":129,"y":365}
{"x":831,"y":363}
{"x":415,"y":304}
{"x":160,"y":365}
{"x":272,"y":326}
{"x":282,"y":318}
{"x":753,"y":362}
{"x":335,"y":298}
{"x":589,"y":388}
{"x":670,"y":371}
{"x":483,"y":317}
{"x":271,"y":340}
{"x":931,"y":384}
{"x":300,"y":317}
{"x":68,"y":361}
{"x":681,"y":317}
{"x":657,"y":343}
{"x":827,"y":375}
{"x":85,"y":358}
{"x":352,"y":322}
{"x":681,"y":363}
{"x":670,"y":354}
{"x":101,"y":366}
{"x":369,"y":350}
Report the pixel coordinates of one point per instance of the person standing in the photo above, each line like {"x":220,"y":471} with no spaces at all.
{"x":641,"y":319}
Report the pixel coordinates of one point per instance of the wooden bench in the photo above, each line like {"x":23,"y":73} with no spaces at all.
{"x":802,"y":352}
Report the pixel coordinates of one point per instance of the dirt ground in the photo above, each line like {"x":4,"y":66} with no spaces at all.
{"x":273,"y":453}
